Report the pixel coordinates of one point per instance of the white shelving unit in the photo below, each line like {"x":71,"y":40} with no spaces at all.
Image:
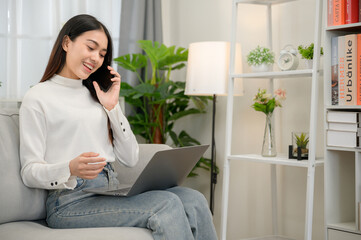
{"x":312,"y":162}
{"x":342,"y":165}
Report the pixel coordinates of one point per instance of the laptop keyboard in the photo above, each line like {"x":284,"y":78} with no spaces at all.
{"x":120,"y":192}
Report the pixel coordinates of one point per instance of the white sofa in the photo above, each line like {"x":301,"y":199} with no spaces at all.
{"x":22,"y":209}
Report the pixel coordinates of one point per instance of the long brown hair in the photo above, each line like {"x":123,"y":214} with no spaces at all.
{"x":73,"y":28}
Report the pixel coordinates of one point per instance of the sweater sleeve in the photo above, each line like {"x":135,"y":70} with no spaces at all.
{"x":126,"y":147}
{"x":35,"y":171}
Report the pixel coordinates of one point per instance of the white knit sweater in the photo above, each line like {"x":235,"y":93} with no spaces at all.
{"x":59,"y":120}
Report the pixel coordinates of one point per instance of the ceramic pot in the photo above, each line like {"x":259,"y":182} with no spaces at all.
{"x":261,"y":68}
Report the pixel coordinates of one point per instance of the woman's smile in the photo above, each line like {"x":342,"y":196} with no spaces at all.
{"x":88,"y":67}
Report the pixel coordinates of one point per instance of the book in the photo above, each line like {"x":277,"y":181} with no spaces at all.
{"x":346,"y":127}
{"x":343,"y":116}
{"x":341,"y":70}
{"x":350,"y":69}
{"x":334,"y":71}
{"x":330,"y":13}
{"x":358,"y":78}
{"x":352,"y":11}
{"x":342,"y":139}
{"x":359,"y":14}
{"x":339,"y":12}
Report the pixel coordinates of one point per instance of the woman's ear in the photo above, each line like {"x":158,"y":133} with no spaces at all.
{"x":65,"y":42}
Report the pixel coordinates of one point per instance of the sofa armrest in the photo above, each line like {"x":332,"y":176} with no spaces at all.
{"x":128,"y":175}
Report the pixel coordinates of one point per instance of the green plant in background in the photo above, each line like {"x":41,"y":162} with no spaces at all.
{"x":302,"y":140}
{"x":260,"y":55}
{"x":158,"y":101}
{"x":307,"y":51}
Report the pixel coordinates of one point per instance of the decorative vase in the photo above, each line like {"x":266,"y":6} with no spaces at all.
{"x":269,"y":143}
{"x":261,"y":68}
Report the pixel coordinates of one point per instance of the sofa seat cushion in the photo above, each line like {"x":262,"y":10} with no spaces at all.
{"x":29,"y":230}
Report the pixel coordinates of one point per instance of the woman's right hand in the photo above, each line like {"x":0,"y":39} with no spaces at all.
{"x":87,"y":165}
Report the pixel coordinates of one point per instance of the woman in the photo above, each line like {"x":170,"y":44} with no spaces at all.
{"x":72,"y":129}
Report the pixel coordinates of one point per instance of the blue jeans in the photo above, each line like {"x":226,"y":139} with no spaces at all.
{"x":177,"y":213}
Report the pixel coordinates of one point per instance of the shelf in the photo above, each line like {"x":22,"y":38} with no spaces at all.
{"x":278,"y":74}
{"x":263,"y":2}
{"x":281,"y":159}
{"x":344,"y":149}
{"x":346,"y":226}
{"x":351,"y":107}
{"x":346,"y":27}
{"x":269,"y":238}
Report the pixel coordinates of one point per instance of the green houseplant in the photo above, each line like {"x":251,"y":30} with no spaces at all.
{"x":158,"y":101}
{"x":307,"y":51}
{"x":307,"y":54}
{"x":260,"y":59}
{"x":300,"y":141}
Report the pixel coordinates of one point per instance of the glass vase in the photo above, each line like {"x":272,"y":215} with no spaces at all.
{"x":269,"y":143}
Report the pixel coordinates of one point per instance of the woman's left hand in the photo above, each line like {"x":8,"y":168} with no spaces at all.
{"x":110,"y":98}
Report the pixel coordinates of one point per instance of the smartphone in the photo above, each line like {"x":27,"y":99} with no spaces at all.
{"x":102,"y":76}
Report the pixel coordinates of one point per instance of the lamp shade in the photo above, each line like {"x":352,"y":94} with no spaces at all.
{"x":208,"y":69}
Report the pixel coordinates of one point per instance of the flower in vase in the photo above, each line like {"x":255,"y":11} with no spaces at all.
{"x":266,"y":103}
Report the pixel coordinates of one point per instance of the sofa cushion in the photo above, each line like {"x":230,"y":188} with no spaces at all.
{"x":38,"y":230}
{"x":17,"y":202}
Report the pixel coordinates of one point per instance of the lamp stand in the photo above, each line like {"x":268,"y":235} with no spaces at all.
{"x":213,"y":158}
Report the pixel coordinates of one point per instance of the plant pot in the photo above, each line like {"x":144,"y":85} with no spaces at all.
{"x":308,"y":63}
{"x":261,"y":68}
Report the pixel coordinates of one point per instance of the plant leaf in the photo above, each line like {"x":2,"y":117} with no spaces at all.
{"x":132,"y":62}
{"x":154,"y":50}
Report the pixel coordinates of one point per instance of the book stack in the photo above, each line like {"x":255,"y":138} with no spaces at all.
{"x":340,"y":12}
{"x":346,"y":70}
{"x":343,"y":129}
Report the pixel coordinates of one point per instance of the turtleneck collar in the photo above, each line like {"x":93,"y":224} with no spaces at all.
{"x":74,"y":83}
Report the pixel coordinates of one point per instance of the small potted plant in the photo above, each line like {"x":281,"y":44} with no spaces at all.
{"x":307,"y":54}
{"x":300,"y":145}
{"x":260,"y":59}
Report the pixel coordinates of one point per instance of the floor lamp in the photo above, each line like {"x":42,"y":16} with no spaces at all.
{"x":207,"y":75}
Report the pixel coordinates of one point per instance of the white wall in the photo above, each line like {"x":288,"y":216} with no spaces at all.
{"x":190,"y":21}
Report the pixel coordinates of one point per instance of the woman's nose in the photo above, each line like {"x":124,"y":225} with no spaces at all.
{"x":95,"y":56}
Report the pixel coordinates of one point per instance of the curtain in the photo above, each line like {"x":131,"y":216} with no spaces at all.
{"x":140,"y":20}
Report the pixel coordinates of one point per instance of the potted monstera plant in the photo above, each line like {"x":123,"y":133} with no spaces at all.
{"x":158,"y":101}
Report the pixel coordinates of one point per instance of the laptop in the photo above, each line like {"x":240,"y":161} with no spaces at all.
{"x":166,"y":169}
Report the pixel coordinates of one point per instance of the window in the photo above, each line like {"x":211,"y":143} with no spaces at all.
{"x":28,"y":30}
